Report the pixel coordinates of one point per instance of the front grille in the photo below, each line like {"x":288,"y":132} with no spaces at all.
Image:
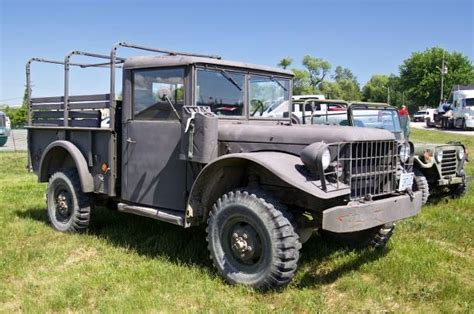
{"x":373,"y":168}
{"x":369,"y":168}
{"x":449,"y":163}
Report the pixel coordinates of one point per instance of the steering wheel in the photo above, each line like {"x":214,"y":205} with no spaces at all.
{"x":259,"y":106}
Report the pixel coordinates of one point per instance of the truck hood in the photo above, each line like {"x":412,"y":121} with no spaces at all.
{"x":298,"y":134}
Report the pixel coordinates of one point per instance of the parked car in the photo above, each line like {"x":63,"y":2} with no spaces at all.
{"x":5,"y":128}
{"x":188,"y":145}
{"x":419,"y":116}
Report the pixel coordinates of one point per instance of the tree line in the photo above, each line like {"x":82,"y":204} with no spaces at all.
{"x":417,"y":84}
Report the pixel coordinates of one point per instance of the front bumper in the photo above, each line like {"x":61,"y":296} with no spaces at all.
{"x":451,"y":180}
{"x":365,"y":215}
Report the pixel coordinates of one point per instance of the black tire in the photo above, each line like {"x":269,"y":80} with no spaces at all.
{"x":3,"y":140}
{"x":421,"y":184}
{"x":68,"y":207}
{"x":458,"y":190}
{"x":373,"y":238}
{"x":251,"y":218}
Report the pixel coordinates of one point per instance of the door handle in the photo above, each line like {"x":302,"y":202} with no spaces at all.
{"x":129,"y":140}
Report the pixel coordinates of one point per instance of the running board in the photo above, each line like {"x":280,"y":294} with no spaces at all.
{"x":159,"y":214}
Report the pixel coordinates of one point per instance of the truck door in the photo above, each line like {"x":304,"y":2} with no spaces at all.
{"x":152,"y":172}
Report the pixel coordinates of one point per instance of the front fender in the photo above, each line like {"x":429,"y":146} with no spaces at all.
{"x":87,"y":182}
{"x":284,"y":166}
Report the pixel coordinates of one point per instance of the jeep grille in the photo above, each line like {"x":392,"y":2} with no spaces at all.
{"x":373,"y":168}
{"x":369,"y":168}
{"x":449,"y":163}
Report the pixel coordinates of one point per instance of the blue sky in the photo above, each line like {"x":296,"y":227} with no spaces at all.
{"x":369,"y":36}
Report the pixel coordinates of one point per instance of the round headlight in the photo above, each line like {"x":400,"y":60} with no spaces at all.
{"x":461,"y":153}
{"x":404,"y":153}
{"x":439,"y":156}
{"x":325,"y":159}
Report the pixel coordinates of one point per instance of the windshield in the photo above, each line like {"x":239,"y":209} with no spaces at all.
{"x":2,"y":121}
{"x":333,"y":118}
{"x":222,"y":91}
{"x":269,"y":96}
{"x":377,"y":118}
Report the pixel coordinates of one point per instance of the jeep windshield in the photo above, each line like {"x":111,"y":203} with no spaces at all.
{"x":378,"y":118}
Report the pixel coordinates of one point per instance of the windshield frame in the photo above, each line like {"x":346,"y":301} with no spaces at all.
{"x":247,"y":72}
{"x":355,"y":107}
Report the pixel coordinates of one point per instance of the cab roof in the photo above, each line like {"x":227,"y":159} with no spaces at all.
{"x":179,"y":60}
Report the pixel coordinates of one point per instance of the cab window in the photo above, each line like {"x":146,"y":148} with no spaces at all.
{"x":221,"y":90}
{"x":269,"y":96}
{"x":148,"y":85}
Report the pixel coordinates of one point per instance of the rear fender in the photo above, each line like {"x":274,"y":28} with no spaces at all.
{"x":61,"y":154}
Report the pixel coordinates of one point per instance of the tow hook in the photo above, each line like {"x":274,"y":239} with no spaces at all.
{"x":410,"y":193}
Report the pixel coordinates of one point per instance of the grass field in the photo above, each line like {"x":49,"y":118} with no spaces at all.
{"x":128,"y":263}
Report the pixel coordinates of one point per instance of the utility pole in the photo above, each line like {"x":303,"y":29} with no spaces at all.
{"x":444,"y":71}
{"x":388,"y":95}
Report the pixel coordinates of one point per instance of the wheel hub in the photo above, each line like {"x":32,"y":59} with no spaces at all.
{"x":244,"y":243}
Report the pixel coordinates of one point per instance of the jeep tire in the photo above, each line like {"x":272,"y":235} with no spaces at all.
{"x":421,"y":184}
{"x":251,"y":240}
{"x":373,"y":238}
{"x":68,"y":207}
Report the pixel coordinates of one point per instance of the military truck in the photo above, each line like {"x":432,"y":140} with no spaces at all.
{"x":4,"y":128}
{"x":183,"y":146}
{"x":438,"y":168}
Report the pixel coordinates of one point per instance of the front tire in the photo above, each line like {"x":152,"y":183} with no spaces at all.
{"x":421,"y":184}
{"x":68,"y":207}
{"x":373,"y":238}
{"x":252,"y":241}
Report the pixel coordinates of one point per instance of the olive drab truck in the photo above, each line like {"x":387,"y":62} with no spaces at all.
{"x":190,"y":143}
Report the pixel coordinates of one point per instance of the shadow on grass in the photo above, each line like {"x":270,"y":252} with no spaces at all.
{"x":153,"y":239}
{"x":317,"y":251}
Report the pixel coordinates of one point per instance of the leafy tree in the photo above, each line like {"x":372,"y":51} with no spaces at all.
{"x":348,"y":84}
{"x":331,"y":90}
{"x":19,"y":115}
{"x":420,"y":75}
{"x":376,"y":89}
{"x":302,"y":83}
{"x":317,"y":69}
{"x":285,"y":62}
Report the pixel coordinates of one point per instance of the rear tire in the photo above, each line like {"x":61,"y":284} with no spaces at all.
{"x":68,"y":207}
{"x":252,"y":241}
{"x":373,"y":238}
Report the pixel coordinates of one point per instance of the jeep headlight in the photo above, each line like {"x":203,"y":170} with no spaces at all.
{"x":461,"y":153}
{"x":404,"y":153}
{"x":325,"y":158}
{"x":439,"y":156}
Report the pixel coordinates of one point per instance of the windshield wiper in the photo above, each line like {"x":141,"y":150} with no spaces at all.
{"x":278,"y":82}
{"x":230,"y":79}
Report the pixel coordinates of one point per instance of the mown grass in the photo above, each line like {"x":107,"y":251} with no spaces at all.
{"x":129,"y":263}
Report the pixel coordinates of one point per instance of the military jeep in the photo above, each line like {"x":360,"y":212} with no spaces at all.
{"x":438,"y":167}
{"x":191,"y":143}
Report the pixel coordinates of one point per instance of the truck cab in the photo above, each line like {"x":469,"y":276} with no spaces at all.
{"x":192,"y":142}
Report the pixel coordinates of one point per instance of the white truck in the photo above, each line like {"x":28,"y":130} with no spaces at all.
{"x":462,"y":98}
